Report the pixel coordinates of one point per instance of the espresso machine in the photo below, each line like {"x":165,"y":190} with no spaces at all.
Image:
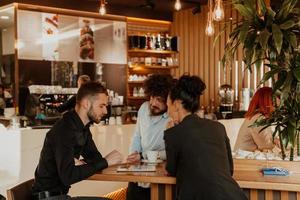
{"x":226,"y":101}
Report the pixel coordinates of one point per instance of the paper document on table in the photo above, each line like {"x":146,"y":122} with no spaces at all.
{"x":137,"y":168}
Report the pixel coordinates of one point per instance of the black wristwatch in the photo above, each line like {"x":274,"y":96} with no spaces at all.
{"x":141,"y":155}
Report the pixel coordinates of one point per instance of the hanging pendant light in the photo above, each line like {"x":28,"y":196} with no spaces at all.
{"x":218,"y":11}
{"x":102,"y":9}
{"x":209,"y":29}
{"x":177,"y":5}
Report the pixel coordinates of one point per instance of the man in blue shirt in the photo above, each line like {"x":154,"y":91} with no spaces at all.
{"x":151,"y":123}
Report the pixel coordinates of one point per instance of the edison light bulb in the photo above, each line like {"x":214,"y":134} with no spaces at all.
{"x":177,"y":5}
{"x":209,"y":30}
{"x":218,"y":11}
{"x":102,"y":9}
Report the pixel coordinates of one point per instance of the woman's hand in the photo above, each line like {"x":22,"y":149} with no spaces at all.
{"x":171,"y":123}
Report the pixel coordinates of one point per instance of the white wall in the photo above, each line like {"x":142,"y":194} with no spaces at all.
{"x":8,"y":40}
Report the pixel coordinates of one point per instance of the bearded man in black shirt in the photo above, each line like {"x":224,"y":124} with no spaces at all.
{"x":59,"y":165}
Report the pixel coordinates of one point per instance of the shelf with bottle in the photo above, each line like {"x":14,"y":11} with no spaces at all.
{"x":152,"y":43}
{"x":152,"y":62}
{"x":150,"y":51}
{"x":153,"y":66}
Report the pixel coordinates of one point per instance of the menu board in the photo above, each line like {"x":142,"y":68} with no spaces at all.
{"x":46,"y":36}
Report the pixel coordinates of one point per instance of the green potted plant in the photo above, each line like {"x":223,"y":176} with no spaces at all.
{"x":270,"y":36}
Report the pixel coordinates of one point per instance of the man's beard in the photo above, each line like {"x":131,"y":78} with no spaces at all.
{"x":155,"y":111}
{"x":92,"y":116}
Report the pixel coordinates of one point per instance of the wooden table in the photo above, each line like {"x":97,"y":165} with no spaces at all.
{"x":247,"y":173}
{"x":154,"y":178}
{"x":249,"y":176}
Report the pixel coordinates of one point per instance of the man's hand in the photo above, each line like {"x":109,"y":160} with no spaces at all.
{"x":134,"y":157}
{"x":114,"y":157}
{"x":79,"y":162}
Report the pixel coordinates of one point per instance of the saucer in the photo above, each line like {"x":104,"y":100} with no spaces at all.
{"x":157,"y":161}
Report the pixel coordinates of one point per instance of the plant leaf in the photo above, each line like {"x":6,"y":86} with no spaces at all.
{"x":284,"y":9}
{"x":262,"y":6}
{"x":296,"y":11}
{"x":288,"y":24}
{"x":270,"y":74}
{"x":250,"y":4}
{"x":263,"y":38}
{"x":244,"y":11}
{"x":291,"y":130}
{"x":287,"y":86}
{"x":244,"y":32}
{"x":277,"y":37}
{"x":271,"y":13}
{"x":296,"y":72}
{"x":292,"y":38}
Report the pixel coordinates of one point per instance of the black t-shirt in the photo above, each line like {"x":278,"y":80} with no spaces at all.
{"x":68,"y":139}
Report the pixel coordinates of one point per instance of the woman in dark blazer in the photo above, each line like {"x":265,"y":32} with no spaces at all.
{"x":198,"y":150}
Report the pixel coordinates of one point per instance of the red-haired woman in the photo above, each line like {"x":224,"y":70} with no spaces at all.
{"x":250,"y":138}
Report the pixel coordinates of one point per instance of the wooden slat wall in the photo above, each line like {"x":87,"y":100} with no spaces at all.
{"x":198,"y":55}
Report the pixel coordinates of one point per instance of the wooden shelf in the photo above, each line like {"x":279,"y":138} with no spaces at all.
{"x":135,"y":82}
{"x":152,"y":66}
{"x":136,"y":98}
{"x":151,"y":51}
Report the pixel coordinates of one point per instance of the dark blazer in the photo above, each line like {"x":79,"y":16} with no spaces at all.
{"x":199,"y":155}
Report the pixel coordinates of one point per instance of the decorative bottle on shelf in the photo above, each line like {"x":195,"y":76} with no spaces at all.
{"x":157,"y":43}
{"x":135,"y":92}
{"x":168,"y":42}
{"x":163,"y":42}
{"x":148,"y":43}
{"x":152,"y":44}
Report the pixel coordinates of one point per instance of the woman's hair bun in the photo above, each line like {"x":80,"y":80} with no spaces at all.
{"x":192,"y":85}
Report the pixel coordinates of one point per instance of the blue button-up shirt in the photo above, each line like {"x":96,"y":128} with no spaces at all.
{"x":149,"y":132}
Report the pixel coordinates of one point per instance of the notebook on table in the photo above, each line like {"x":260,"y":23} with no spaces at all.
{"x":137,"y":168}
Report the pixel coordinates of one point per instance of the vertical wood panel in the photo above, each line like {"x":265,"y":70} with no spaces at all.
{"x":186,"y":42}
{"x":191,"y":45}
{"x":199,"y":56}
{"x":284,"y":195}
{"x":298,"y":195}
{"x":154,"y":191}
{"x":269,"y":195}
{"x":253,"y":194}
{"x":196,"y":44}
{"x":168,"y":192}
{"x":206,"y":67}
{"x":181,"y":30}
{"x":201,"y":49}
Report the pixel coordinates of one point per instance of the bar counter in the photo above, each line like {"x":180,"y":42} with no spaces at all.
{"x":20,"y":153}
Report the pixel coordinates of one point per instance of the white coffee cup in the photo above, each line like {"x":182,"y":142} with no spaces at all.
{"x":152,"y":156}
{"x":112,"y":121}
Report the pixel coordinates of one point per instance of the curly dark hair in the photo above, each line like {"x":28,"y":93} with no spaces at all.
{"x":158,"y":85}
{"x":188,"y":89}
